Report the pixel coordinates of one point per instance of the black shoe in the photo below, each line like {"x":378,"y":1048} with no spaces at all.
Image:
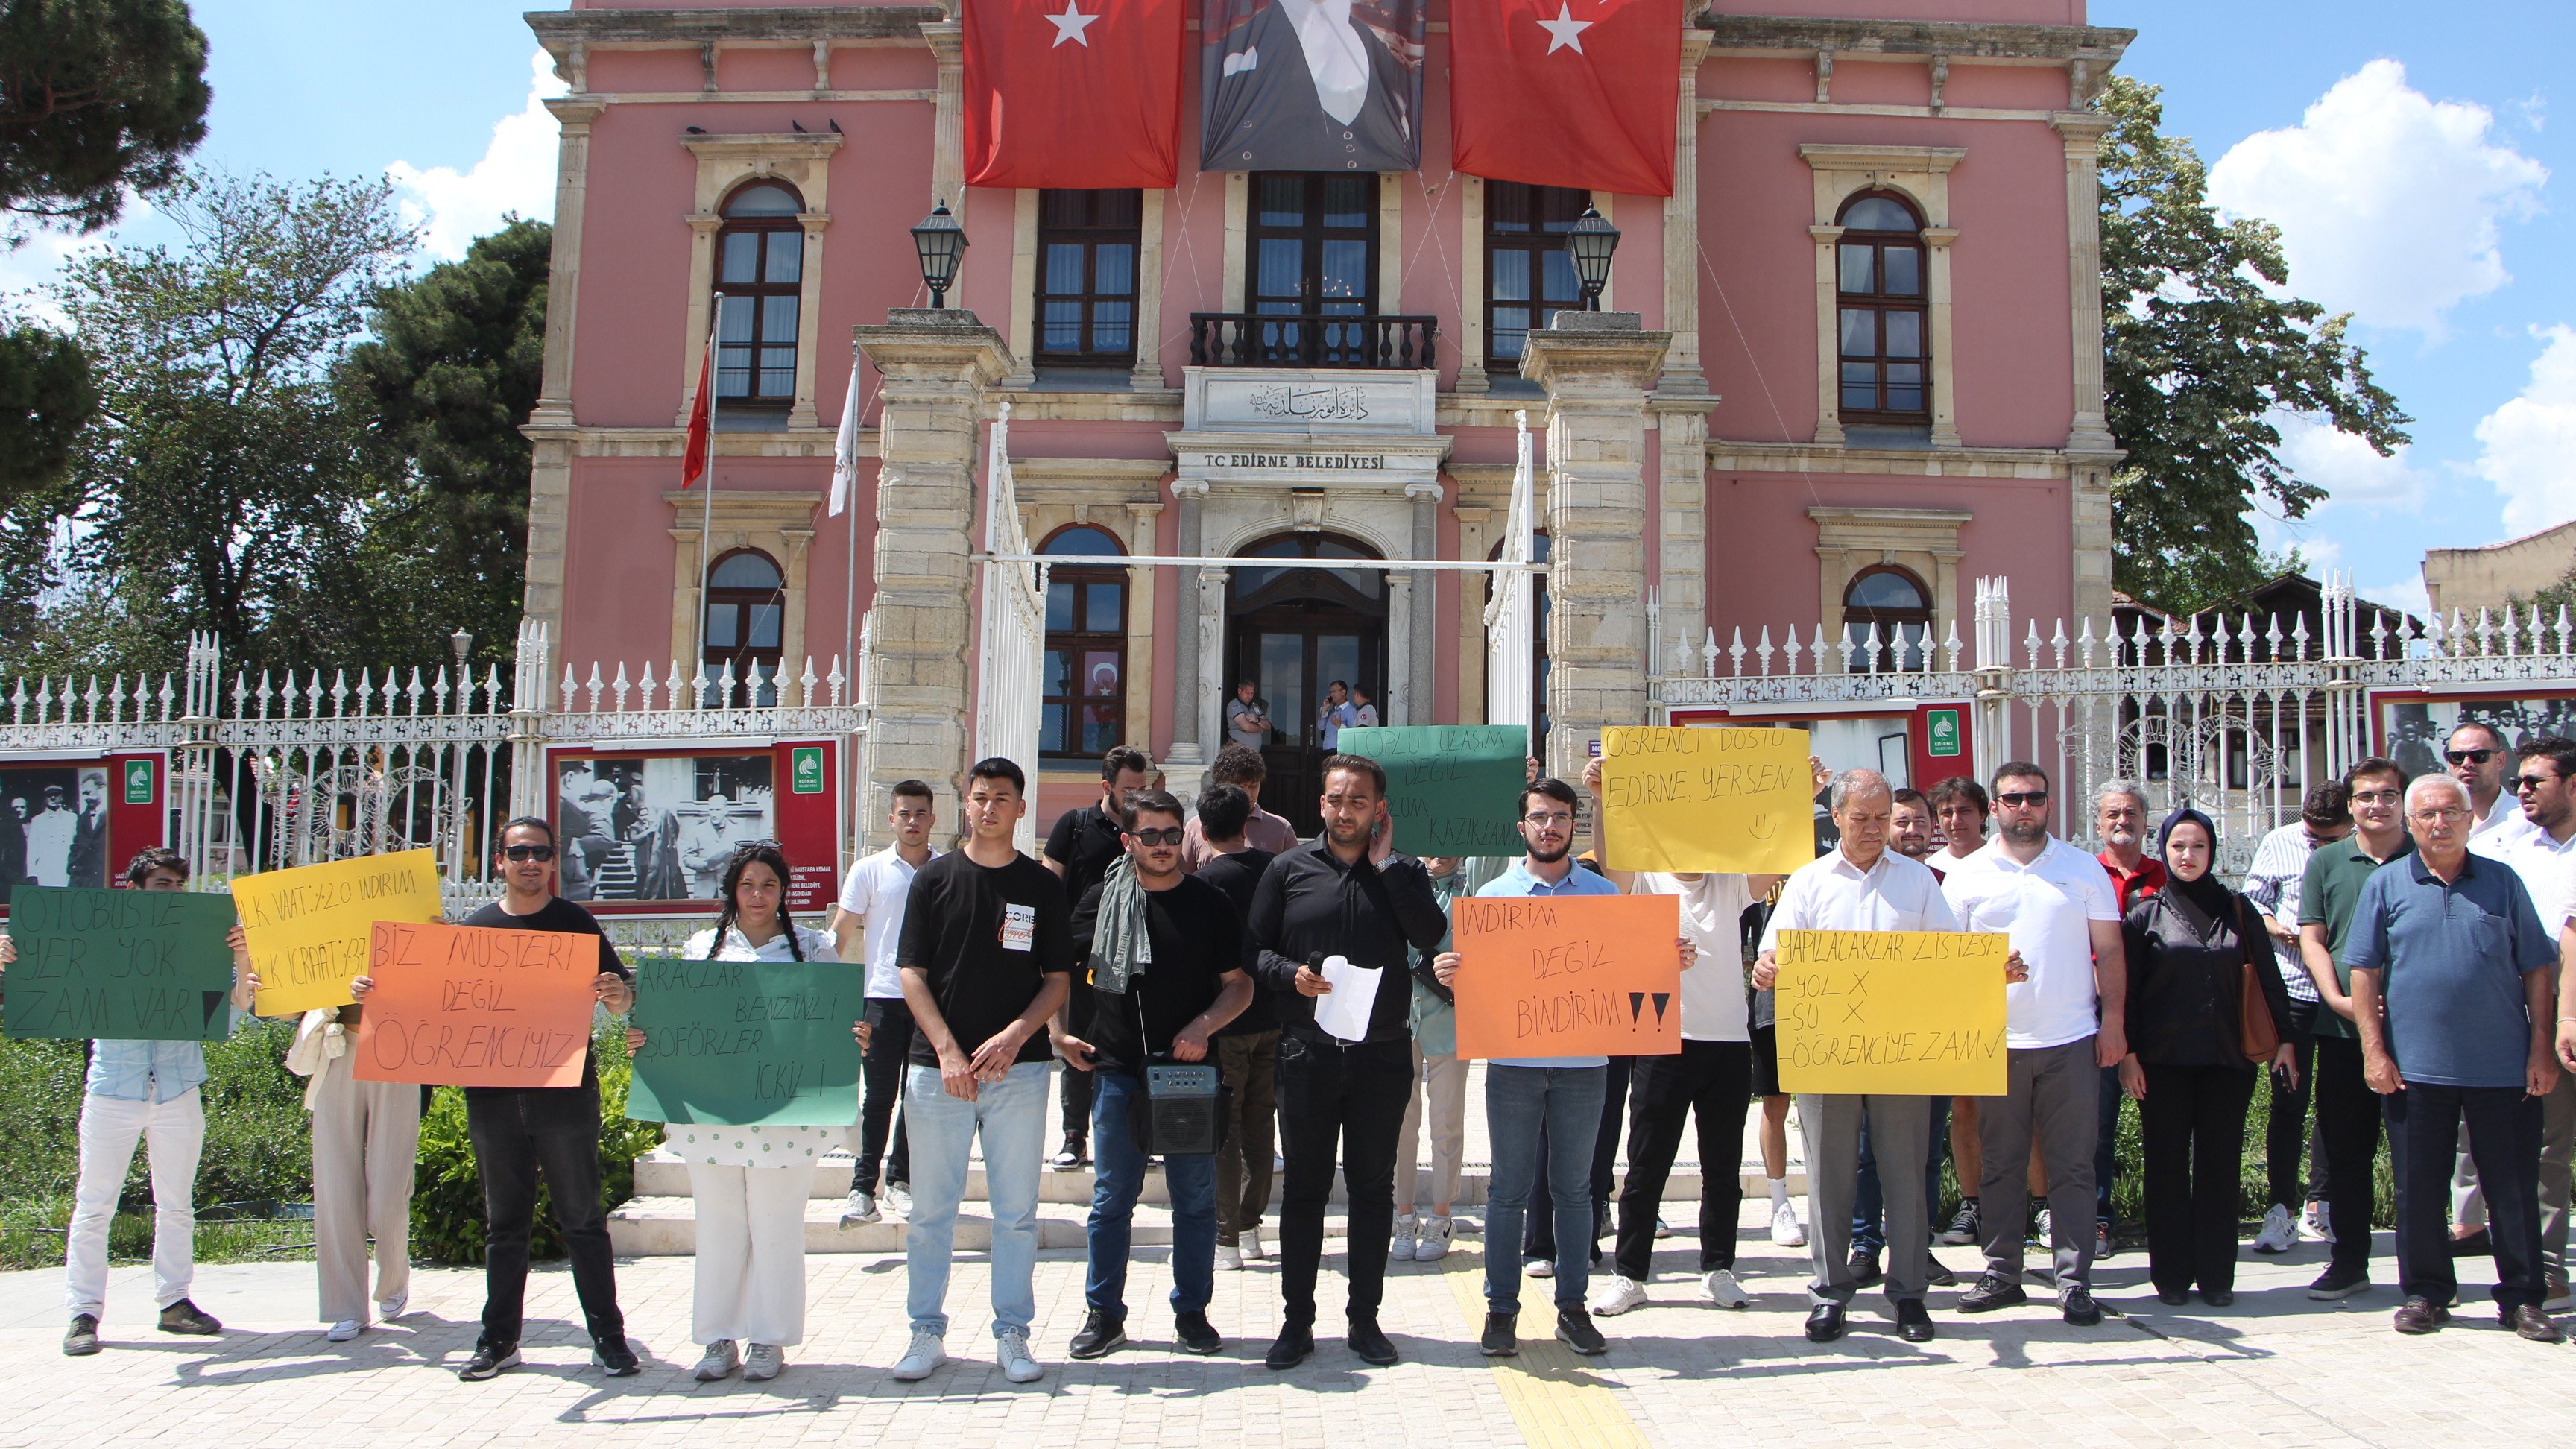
{"x":1370,"y":1342}
{"x":82,"y":1341}
{"x":1075,"y":1153}
{"x":1196,"y":1334}
{"x":1574,"y":1328}
{"x":1938,"y":1273}
{"x":614,"y":1358}
{"x":2336,"y":1283}
{"x":2078,"y":1306}
{"x":1100,"y":1333}
{"x":1864,"y":1267}
{"x":186,"y":1317}
{"x":1913,"y":1324}
{"x":1963,"y":1228}
{"x":1290,"y":1348}
{"x":2218,"y":1297}
{"x":1502,"y":1335}
{"x":1824,"y":1323}
{"x":489,"y":1360}
{"x":1993,"y":1290}
{"x":2173,"y":1297}
{"x":2476,"y":1245}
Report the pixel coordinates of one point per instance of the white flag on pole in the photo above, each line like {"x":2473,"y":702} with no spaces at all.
{"x":845,"y":448}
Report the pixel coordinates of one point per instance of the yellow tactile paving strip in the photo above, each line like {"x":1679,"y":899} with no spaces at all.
{"x":1555,"y":1395}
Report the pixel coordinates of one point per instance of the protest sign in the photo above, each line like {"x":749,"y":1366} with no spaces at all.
{"x":1569,"y":976}
{"x":1682,"y":799}
{"x":1451,"y":789}
{"x":309,"y":927}
{"x":119,"y":965}
{"x":460,"y":1006}
{"x":747,"y":1043}
{"x":1900,"y":1012}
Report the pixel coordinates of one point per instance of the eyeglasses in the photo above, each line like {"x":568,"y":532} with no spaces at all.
{"x":1168,"y":835}
{"x":2375,"y":797}
{"x":2470,"y":757}
{"x":1541,"y":820}
{"x":2022,"y":799}
{"x":2521,"y":783}
{"x":528,"y":852}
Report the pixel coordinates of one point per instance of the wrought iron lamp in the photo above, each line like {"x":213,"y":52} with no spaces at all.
{"x":942,"y":244}
{"x":1590,"y":243}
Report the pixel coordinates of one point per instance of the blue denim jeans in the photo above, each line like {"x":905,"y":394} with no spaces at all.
{"x":1118,"y":1175}
{"x":1869,"y":1204}
{"x":1011,"y":1115}
{"x":1518,"y":1102}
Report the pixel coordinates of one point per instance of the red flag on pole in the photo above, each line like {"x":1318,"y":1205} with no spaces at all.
{"x":693,"y":458}
{"x":1073,"y":93}
{"x":1567,"y":92}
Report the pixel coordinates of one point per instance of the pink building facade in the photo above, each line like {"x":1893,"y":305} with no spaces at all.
{"x":1869,"y":367}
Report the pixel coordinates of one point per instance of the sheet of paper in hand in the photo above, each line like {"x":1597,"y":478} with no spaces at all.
{"x":309,"y":928}
{"x":1892,"y":1012}
{"x":1452,"y":789}
{"x":1688,"y":799}
{"x":746,"y":1043}
{"x":461,"y":1006}
{"x":1571,"y":976}
{"x":119,"y":965}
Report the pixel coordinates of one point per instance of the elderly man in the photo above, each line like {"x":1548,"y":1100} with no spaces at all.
{"x":2120,"y":819}
{"x":2448,"y":946}
{"x":1862,"y":886}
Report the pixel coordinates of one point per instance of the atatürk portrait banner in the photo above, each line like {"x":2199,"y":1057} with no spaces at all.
{"x":1310,"y":85}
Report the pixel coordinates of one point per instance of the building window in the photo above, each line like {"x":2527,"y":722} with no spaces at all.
{"x":746,"y":610}
{"x":1086,"y":645}
{"x":1314,"y":243}
{"x":1896,"y":602}
{"x":1880,"y":302}
{"x":760,"y":269}
{"x":1087,"y":243}
{"x":1528,"y":274}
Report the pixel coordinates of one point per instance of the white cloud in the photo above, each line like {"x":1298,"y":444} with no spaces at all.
{"x":516,"y":174}
{"x":2527,"y":448}
{"x":2353,"y":473}
{"x":2406,"y":593}
{"x":2388,"y":201}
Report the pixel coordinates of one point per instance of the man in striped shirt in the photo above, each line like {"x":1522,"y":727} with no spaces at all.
{"x":2272,"y":883}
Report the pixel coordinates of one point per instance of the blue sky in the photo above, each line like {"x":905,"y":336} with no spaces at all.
{"x":2407,"y":150}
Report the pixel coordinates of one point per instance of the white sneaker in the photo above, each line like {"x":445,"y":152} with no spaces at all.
{"x":1399,"y":1249}
{"x":1250,"y":1242}
{"x":719,"y":1361}
{"x":925,"y":1356}
{"x":898,"y":1201}
{"x":763,"y":1362}
{"x":344,"y":1330}
{"x":1433,"y":1245}
{"x":392,"y":1308}
{"x":1721,"y":1290}
{"x":1617,"y":1296}
{"x":1011,"y":1347}
{"x":860,"y":1210}
{"x":1229,"y":1257}
{"x":2313,"y":1225}
{"x":1785,"y":1229}
{"x":2559,"y":1300}
{"x":1663,"y":1229}
{"x":1538,"y":1267}
{"x":2277,"y":1235}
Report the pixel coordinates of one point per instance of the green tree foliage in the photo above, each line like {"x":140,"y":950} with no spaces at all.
{"x":2204,"y":350}
{"x":96,"y":96}
{"x":46,"y":398}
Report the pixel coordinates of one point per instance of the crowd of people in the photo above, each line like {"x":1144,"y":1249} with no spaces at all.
{"x":2391,"y":957}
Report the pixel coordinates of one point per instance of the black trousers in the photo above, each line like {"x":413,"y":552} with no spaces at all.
{"x":2285,"y":1136}
{"x":1342,"y":1101}
{"x":881,"y":1079}
{"x":2348,"y":1117}
{"x":1538,"y":1232}
{"x":2192,"y":1125}
{"x":1073,"y":1088}
{"x":518,"y":1133}
{"x":2504,"y":1141}
{"x":1711,"y":1083}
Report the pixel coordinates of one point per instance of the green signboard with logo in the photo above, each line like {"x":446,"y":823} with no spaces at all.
{"x":805,"y":770}
{"x":1941,"y":732}
{"x":139,"y":782}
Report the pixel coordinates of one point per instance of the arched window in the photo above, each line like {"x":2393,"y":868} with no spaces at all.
{"x":1086,"y":645}
{"x":1896,"y":601}
{"x":746,"y":609}
{"x":1886,"y":349}
{"x":760,"y":269}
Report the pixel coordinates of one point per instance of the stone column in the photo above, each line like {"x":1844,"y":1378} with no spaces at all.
{"x":1212,"y":583}
{"x":1421,"y":700}
{"x":1682,"y":375}
{"x":1139,"y":724}
{"x":948,"y":124}
{"x":2092,"y":455}
{"x":1190,"y":750}
{"x":937,"y":366}
{"x":1681,"y":442}
{"x":1395,"y":706}
{"x":1596,"y":367}
{"x":551,"y":425}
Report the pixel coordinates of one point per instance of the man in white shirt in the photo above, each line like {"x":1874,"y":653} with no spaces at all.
{"x":1861,"y":886}
{"x":2057,"y":904}
{"x":1336,"y":714}
{"x":2543,"y":854}
{"x":872,"y":898}
{"x":2478,"y":757}
{"x":1363,"y":708}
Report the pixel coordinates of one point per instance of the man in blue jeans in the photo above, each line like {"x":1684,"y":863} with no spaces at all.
{"x":1163,"y":955}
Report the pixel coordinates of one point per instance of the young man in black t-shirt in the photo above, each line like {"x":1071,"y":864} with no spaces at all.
{"x":986,"y":944}
{"x":1163,"y":993}
{"x":520,"y":1132}
{"x":1247,"y":1050}
{"x":1080,"y":850}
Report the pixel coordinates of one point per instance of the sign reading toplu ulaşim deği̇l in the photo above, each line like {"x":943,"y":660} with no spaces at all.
{"x":1896,"y":1012}
{"x":1688,"y":799}
{"x":1451,"y":789}
{"x":309,"y":927}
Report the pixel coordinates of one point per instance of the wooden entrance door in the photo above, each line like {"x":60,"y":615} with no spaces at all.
{"x":1294,"y":632}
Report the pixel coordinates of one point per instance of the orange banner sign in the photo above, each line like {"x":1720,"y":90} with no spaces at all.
{"x":458,"y":1006}
{"x":1568,"y":976}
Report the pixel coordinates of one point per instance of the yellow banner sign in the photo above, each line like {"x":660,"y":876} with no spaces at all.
{"x":1899,"y":1012}
{"x":309,"y":927}
{"x":1731,"y":800}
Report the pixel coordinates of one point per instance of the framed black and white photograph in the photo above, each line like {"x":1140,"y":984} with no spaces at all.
{"x":657,"y":827}
{"x":2413,"y":727}
{"x":53,"y":826}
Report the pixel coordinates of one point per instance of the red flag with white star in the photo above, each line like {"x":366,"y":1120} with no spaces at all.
{"x":1073,"y":93}
{"x":1566,"y":92}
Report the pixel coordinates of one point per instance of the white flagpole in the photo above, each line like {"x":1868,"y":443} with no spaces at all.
{"x":707,"y":505}
{"x":845,"y":477}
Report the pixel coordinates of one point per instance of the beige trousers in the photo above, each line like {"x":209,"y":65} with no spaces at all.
{"x":1441,"y":1083}
{"x":366,"y":1137}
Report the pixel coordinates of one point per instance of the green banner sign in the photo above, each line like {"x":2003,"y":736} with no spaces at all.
{"x":1453,"y":789}
{"x":119,"y":965}
{"x":1941,"y":730}
{"x":747,"y":1043}
{"x":138,"y":782}
{"x":805,"y":770}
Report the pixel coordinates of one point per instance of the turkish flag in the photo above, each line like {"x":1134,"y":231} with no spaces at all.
{"x":1073,"y":93}
{"x":702,"y":416}
{"x":1566,"y":92}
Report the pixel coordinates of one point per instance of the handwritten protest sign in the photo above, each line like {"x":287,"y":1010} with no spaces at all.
{"x":1892,"y":1011}
{"x":119,"y":965}
{"x":743,"y":1043}
{"x":308,"y":927}
{"x":1678,"y":799}
{"x":459,"y":1006}
{"x":1452,"y":789}
{"x":1572,"y":976}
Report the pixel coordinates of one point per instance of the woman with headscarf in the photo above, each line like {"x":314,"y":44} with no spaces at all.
{"x":2189,"y":949}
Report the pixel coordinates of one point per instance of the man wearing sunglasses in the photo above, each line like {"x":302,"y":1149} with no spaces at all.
{"x":2479,"y":759}
{"x":2541,"y":854}
{"x":2058,"y":906}
{"x":1163,"y":955}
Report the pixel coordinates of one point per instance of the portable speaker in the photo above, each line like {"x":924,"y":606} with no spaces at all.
{"x":1181,"y":1109}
